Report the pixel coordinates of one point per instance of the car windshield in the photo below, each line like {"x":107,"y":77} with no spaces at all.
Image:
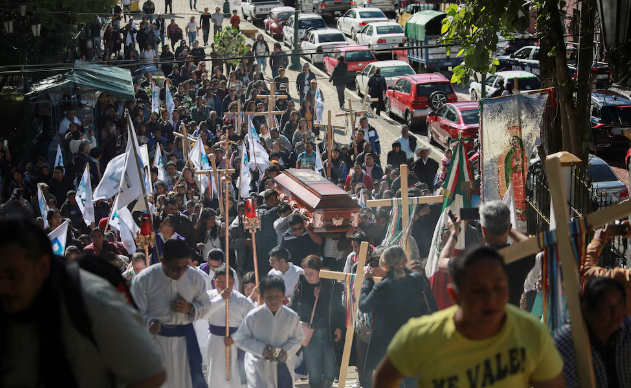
{"x":371,"y":14}
{"x":470,"y":117}
{"x":396,"y":71}
{"x":531,"y":83}
{"x":311,"y":23}
{"x":427,"y":89}
{"x":601,"y":173}
{"x":392,"y":29}
{"x":616,"y":115}
{"x":284,"y":15}
{"x":328,"y":38}
{"x":356,"y":56}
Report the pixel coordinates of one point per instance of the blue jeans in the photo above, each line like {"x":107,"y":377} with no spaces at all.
{"x":320,"y":358}
{"x":262,"y":63}
{"x":192,"y":3}
{"x":274,"y":73}
{"x":192,"y":37}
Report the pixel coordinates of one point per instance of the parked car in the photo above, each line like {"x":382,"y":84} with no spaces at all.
{"x":606,"y":188}
{"x":316,"y":43}
{"x":276,"y":20}
{"x":326,"y":7}
{"x":384,"y":5}
{"x":508,"y":45}
{"x":525,"y":81}
{"x":356,"y":18}
{"x":414,"y":96}
{"x":610,"y":116}
{"x":452,"y":121}
{"x":357,"y":58}
{"x":390,"y":70}
{"x":258,"y":9}
{"x":305,"y":22}
{"x":381,"y":36}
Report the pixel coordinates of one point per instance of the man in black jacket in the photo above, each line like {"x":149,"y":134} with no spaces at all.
{"x":266,"y":237}
{"x":339,"y":76}
{"x":377,"y":89}
{"x":277,"y":60}
{"x":425,"y":168}
{"x":303,"y":80}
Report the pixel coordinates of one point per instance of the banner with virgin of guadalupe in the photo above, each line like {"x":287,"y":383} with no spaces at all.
{"x":509,"y":130}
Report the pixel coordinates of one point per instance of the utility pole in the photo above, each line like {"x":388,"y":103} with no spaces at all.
{"x":295,"y":53}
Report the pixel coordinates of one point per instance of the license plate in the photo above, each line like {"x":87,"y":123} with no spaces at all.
{"x":616,"y":131}
{"x":265,"y":9}
{"x":338,"y":12}
{"x":602,"y":76}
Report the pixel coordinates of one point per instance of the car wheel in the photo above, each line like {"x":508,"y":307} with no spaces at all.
{"x":357,"y":89}
{"x":408,"y":119}
{"x":437,"y":99}
{"x":474,"y":95}
{"x":388,"y":108}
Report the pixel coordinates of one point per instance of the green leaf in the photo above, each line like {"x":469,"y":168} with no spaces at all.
{"x":460,"y":52}
{"x":444,"y":28}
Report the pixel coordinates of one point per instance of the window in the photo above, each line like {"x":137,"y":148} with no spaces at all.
{"x":369,"y":30}
{"x":358,"y":56}
{"x":285,"y":15}
{"x":470,"y":117}
{"x":442,"y":111}
{"x":371,"y":71}
{"x":451,"y":115}
{"x":350,"y":14}
{"x":490,"y":80}
{"x":427,"y":89}
{"x":407,"y":86}
{"x":497,"y":81}
{"x":397,"y":71}
{"x":399,"y":84}
{"x":531,"y":83}
{"x":601,"y":173}
{"x":615,"y":114}
{"x":389,"y":29}
{"x":523,"y":53}
{"x":371,"y":14}
{"x":329,"y":38}
{"x":311,"y":23}
{"x":290,"y":22}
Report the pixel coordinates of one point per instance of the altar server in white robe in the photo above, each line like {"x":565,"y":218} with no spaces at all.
{"x":201,"y":326}
{"x":265,"y":329}
{"x":240,"y":306}
{"x":172,"y":296}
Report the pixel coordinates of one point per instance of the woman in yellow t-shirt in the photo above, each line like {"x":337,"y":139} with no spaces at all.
{"x":482,"y":341}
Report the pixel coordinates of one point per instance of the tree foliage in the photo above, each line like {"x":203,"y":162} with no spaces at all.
{"x":476,"y":26}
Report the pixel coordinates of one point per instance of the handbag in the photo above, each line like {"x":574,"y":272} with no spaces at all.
{"x":306,"y":327}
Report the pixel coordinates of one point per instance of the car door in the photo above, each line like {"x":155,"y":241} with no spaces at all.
{"x":435,"y":125}
{"x":520,"y":57}
{"x":288,"y":31}
{"x":345,"y":20}
{"x":330,"y":60}
{"x":405,"y":97}
{"x":496,"y":84}
{"x":362,"y":36}
{"x":362,"y":79}
{"x":395,"y":103}
{"x":489,"y":89}
{"x":448,"y":124}
{"x":307,"y":44}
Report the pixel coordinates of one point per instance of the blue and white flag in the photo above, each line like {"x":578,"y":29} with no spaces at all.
{"x":84,"y":197}
{"x":43,"y":206}
{"x":169,"y":102}
{"x":155,"y":99}
{"x":361,"y":200}
{"x":319,"y":105}
{"x":200,"y":161}
{"x":132,"y":179}
{"x":318,"y":162}
{"x":146,"y":167}
{"x":122,"y":220}
{"x":111,"y":180}
{"x":252,"y":134}
{"x":259,"y":157}
{"x":245,"y":176}
{"x":59,"y":159}
{"x":157,"y":162}
{"x":58,"y":238}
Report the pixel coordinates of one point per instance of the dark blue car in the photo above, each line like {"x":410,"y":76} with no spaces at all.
{"x":610,"y":116}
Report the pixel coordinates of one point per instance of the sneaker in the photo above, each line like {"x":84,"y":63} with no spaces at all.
{"x":355,"y":385}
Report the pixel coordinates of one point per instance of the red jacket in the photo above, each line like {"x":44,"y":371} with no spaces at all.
{"x":349,"y":179}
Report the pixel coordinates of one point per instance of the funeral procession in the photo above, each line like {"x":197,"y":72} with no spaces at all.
{"x":315,"y":193}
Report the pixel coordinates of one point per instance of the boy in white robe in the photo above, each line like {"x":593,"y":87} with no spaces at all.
{"x":240,"y":306}
{"x":172,"y":296}
{"x":271,"y":334}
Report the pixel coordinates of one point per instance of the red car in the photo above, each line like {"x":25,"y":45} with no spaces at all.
{"x":276,"y":20}
{"x":454,"y":120}
{"x":357,"y":58}
{"x":414,"y":96}
{"x":401,"y":53}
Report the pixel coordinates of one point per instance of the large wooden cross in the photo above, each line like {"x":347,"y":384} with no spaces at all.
{"x":357,"y":286}
{"x":329,"y":140}
{"x":517,"y":251}
{"x":351,"y":115}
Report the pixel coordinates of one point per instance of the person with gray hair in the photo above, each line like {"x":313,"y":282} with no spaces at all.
{"x":496,"y":229}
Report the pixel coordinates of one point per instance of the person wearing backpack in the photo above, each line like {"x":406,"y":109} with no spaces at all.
{"x":62,"y":325}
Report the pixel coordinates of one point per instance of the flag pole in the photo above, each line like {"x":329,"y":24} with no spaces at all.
{"x":144,"y":189}
{"x":226,"y":181}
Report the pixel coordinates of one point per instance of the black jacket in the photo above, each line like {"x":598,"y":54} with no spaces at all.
{"x":328,"y":313}
{"x":426,"y":172}
{"x":339,"y":76}
{"x":393,"y":301}
{"x":300,"y":82}
{"x":377,"y":86}
{"x":278,"y":59}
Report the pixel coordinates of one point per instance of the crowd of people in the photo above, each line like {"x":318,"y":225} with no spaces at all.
{"x":163,"y":323}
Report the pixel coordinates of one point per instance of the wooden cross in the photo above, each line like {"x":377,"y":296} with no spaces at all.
{"x":352,"y":116}
{"x":405,"y":200}
{"x":517,"y":251}
{"x":329,"y":139}
{"x":350,"y":328}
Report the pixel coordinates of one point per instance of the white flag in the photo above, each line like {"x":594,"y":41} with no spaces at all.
{"x":132,"y":178}
{"x":252,"y":134}
{"x":155,"y":99}
{"x":245,"y":176}
{"x":201,"y":163}
{"x":43,"y":206}
{"x":318,"y":163}
{"x":58,"y":238}
{"x":111,"y":180}
{"x":146,"y":167}
{"x":59,"y":159}
{"x":509,"y":200}
{"x":84,"y":197}
{"x":319,"y":105}
{"x":169,"y":102}
{"x":157,"y":162}
{"x":259,"y":158}
{"x":123,"y":221}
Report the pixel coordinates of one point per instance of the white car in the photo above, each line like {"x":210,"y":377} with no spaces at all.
{"x":305,"y":22}
{"x":381,"y":35}
{"x":525,"y":81}
{"x":316,"y":43}
{"x":356,"y":18}
{"x":391,"y":70}
{"x":384,"y":5}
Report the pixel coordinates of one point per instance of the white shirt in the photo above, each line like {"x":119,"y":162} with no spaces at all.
{"x":405,"y":147}
{"x":290,"y":277}
{"x":192,"y":27}
{"x":65,"y":123}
